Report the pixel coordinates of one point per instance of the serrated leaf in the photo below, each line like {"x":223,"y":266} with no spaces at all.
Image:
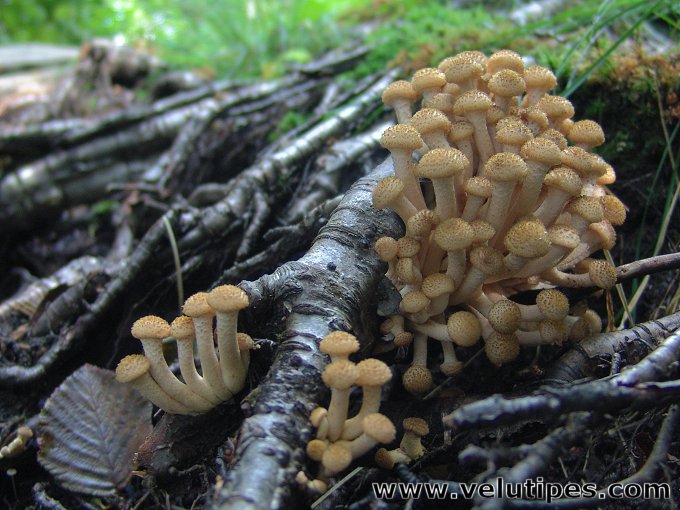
{"x":90,"y":429}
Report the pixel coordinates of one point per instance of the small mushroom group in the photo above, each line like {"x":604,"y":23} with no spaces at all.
{"x":223,"y":370}
{"x":340,"y":439}
{"x":500,"y":192}
{"x":18,"y":445}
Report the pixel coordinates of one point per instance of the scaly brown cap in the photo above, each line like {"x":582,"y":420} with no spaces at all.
{"x":464,"y":328}
{"x":150,"y":327}
{"x":197,"y":305}
{"x":440,"y":162}
{"x":132,"y":367}
{"x":401,"y":136}
{"x":340,"y":374}
{"x":228,"y":298}
{"x":339,"y":343}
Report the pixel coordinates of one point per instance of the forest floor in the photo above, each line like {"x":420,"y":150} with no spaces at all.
{"x":125,"y":190}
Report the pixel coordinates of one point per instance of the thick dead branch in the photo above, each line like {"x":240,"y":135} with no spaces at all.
{"x":635,"y":343}
{"x":329,"y":288}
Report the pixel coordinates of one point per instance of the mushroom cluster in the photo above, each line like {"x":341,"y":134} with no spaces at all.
{"x":223,"y":370}
{"x":339,"y":439}
{"x":500,"y":192}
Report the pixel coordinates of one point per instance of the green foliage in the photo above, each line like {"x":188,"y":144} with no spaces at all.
{"x":237,"y":38}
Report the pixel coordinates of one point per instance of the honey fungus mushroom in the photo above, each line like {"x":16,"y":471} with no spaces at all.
{"x":519,"y":204}
{"x":223,"y":371}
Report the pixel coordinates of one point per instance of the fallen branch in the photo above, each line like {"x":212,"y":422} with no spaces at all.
{"x":340,"y":273}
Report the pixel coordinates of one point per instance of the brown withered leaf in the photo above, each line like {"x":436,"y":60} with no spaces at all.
{"x":90,"y":428}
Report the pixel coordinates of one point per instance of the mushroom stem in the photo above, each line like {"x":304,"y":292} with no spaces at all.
{"x":134,"y":370}
{"x":210,"y":364}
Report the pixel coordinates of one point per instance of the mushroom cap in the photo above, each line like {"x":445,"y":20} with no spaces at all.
{"x":553,"y":331}
{"x":451,"y":368}
{"x":539,"y":118}
{"x":594,"y":321}
{"x":579,"y":330}
{"x":556,"y":137}
{"x":416,"y":425}
{"x":372,"y":372}
{"x":614,"y":210}
{"x":487,"y":260}
{"x":427,"y":120}
{"x":197,"y":305}
{"x":387,"y":459}
{"x":586,"y":132}
{"x":339,"y":343}
{"x":400,"y":90}
{"x":414,"y":301}
{"x":379,"y":427}
{"x":553,"y":304}
{"x":483,"y":231}
{"x":475,"y":55}
{"x":228,"y":298}
{"x":386,"y":191}
{"x":589,"y":208}
{"x":460,"y":69}
{"x":505,"y":167}
{"x":479,"y":187}
{"x":417,"y":379}
{"x":437,"y":163}
{"x":505,"y":316}
{"x":340,"y":374}
{"x":401,"y":136}
{"x":605,"y":233}
{"x":437,"y":284}
{"x":494,"y":115}
{"x":505,"y":59}
{"x":150,"y":327}
{"x":336,"y":458}
{"x":506,"y":83}
{"x":472,"y":101}
{"x":386,"y":247}
{"x":427,"y":78}
{"x":182,"y":328}
{"x":460,"y":130}
{"x":421,"y":223}
{"x":602,"y":274}
{"x":464,"y":328}
{"x":513,"y":133}
{"x":318,"y":414}
{"x":132,"y":367}
{"x":565,"y":179}
{"x":245,"y":342}
{"x":542,"y":150}
{"x":403,"y":339}
{"x":442,"y":102}
{"x":501,"y":348}
{"x":407,"y":247}
{"x":454,"y":234}
{"x":582,"y":161}
{"x":407,"y":271}
{"x":556,"y":106}
{"x":528,"y":239}
{"x":539,"y":77}
{"x":316,"y":448}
